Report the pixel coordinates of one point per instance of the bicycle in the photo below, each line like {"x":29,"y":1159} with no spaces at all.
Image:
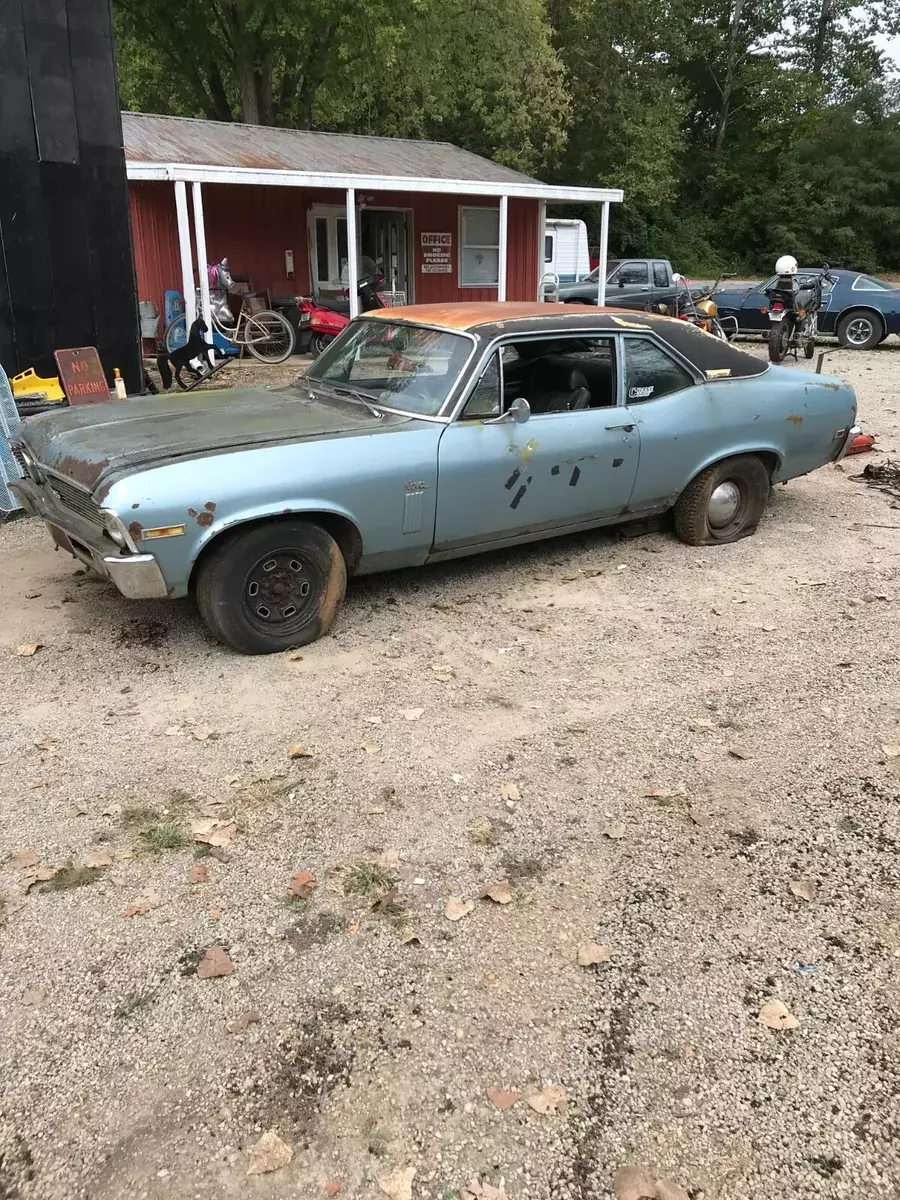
{"x":267,"y":334}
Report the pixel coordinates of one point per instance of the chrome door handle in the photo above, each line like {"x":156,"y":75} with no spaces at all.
{"x":629,"y":427}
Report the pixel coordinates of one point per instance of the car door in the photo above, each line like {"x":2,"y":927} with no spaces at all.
{"x":677,"y":426}
{"x":750,"y":316}
{"x":628,"y":286}
{"x":500,"y":482}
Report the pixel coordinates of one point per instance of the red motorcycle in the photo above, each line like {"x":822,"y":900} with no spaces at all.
{"x":325,"y":319}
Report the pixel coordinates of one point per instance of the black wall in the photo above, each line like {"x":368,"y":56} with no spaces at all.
{"x":66,"y":266}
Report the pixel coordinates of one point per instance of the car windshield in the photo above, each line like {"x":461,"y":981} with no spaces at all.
{"x":405,"y":367}
{"x":611,"y":266}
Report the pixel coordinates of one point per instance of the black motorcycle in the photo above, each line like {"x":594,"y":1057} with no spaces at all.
{"x":794,"y":303}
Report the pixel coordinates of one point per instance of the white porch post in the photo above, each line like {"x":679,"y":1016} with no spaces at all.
{"x":604,"y":246}
{"x":184,"y":247}
{"x":200,"y":238}
{"x":504,"y":222}
{"x":542,"y":235}
{"x":352,"y":253}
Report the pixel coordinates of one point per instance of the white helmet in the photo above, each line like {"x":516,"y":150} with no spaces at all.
{"x":786,"y":265}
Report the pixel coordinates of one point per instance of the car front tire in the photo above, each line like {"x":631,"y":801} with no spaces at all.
{"x":723,"y":503}
{"x":273,"y":586}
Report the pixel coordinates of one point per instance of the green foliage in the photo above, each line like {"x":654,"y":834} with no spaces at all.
{"x":738,"y":129}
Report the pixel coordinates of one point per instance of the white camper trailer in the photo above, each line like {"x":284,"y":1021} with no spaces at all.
{"x":566,"y":253}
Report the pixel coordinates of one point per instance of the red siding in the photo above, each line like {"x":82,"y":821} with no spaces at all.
{"x":253,"y":226}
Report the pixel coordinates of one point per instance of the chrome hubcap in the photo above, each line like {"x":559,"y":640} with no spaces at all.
{"x":723,"y":504}
{"x":859,"y":331}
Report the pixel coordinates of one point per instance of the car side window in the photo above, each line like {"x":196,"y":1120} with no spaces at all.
{"x":650,"y":373}
{"x":633,"y":272}
{"x":660,"y":275}
{"x":865,"y":283}
{"x":484,"y":403}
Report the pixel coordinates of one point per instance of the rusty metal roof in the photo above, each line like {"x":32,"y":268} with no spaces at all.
{"x":155,"y":139}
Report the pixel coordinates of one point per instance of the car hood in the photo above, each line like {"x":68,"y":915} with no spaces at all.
{"x":92,"y":443}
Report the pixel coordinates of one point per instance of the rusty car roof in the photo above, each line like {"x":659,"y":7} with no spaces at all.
{"x":493,"y":318}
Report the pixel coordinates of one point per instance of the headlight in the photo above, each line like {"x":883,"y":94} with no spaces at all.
{"x":114,"y":528}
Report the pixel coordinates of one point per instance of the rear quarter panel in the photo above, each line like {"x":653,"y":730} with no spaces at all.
{"x":384,"y":483}
{"x":790,"y":415}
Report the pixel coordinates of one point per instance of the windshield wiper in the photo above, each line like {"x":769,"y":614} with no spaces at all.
{"x":356,"y":394}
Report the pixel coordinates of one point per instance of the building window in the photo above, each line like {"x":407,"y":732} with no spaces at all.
{"x":328,"y":245}
{"x":548,"y":248}
{"x":479,"y":255}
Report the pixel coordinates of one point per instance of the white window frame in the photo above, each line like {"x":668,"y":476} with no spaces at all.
{"x":331,"y":213}
{"x":463,"y":245}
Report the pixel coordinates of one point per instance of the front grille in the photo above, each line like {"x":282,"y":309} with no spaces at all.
{"x":77,"y":500}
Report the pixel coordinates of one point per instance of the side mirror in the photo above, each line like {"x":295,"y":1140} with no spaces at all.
{"x":519,"y":411}
{"x":621,"y":283}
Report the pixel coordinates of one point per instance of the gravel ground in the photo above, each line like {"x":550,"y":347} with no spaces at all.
{"x":674,"y":753}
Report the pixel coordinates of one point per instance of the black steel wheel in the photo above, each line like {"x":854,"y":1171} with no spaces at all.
{"x":724,"y":503}
{"x":272,"y":586}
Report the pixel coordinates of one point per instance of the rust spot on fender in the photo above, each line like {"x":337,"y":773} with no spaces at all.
{"x":192,"y":512}
{"x":136,"y":504}
{"x":205,"y":518}
{"x":83,"y":471}
{"x":136,"y":530}
{"x":284,"y":511}
{"x":209,"y":506}
{"x":795,"y":419}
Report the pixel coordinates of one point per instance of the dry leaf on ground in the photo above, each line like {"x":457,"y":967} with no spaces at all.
{"x":295,"y":656}
{"x":634,"y":1183}
{"x":775,"y":1015}
{"x":661,"y":794}
{"x":302,"y":885}
{"x":143,"y":905}
{"x":501,"y":1099}
{"x":203,"y":733}
{"x":702,"y":725}
{"x":214,"y":832}
{"x":24,"y":859}
{"x":670,"y":1191}
{"x":550,"y":1099}
{"x":891,"y":749}
{"x":413,"y":714}
{"x":32,"y":997}
{"x":456,"y":908}
{"x":509,"y":791}
{"x":299,"y":752}
{"x":214,"y":963}
{"x":41,"y":875}
{"x":97,"y":859}
{"x":198,"y":874}
{"x":370,"y":747}
{"x":740,"y":752}
{"x":243,"y":1022}
{"x":269,"y":1154}
{"x":29,"y":649}
{"x":478,"y":1189}
{"x":398,"y":1184}
{"x":699,"y":817}
{"x":498,"y":892}
{"x":332,"y":1187}
{"x":803,"y":889}
{"x":590,"y":953}
{"x":615,"y":831}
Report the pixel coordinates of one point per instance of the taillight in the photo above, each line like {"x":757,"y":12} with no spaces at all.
{"x":777,"y":307}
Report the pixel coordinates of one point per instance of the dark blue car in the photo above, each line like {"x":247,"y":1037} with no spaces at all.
{"x":859,"y":310}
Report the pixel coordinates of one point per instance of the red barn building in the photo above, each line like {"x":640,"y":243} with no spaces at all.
{"x":446,"y":225}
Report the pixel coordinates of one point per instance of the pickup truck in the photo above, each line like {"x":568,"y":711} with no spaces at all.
{"x":630,"y":283}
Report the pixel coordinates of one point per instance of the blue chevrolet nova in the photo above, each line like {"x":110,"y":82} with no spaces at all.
{"x":858,"y":309}
{"x":421,"y":434}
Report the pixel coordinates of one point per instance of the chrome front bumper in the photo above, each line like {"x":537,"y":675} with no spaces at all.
{"x":137,"y":576}
{"x":855,"y":431}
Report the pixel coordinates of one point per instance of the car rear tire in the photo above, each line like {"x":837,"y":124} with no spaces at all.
{"x":271,"y":587}
{"x":724,"y":503}
{"x":860,"y":330}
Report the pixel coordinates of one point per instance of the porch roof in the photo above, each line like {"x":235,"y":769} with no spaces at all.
{"x":179,"y":148}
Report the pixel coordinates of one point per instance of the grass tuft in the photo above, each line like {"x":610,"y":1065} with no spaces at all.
{"x":366,"y":879}
{"x":67,"y":878}
{"x":165,"y":836}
